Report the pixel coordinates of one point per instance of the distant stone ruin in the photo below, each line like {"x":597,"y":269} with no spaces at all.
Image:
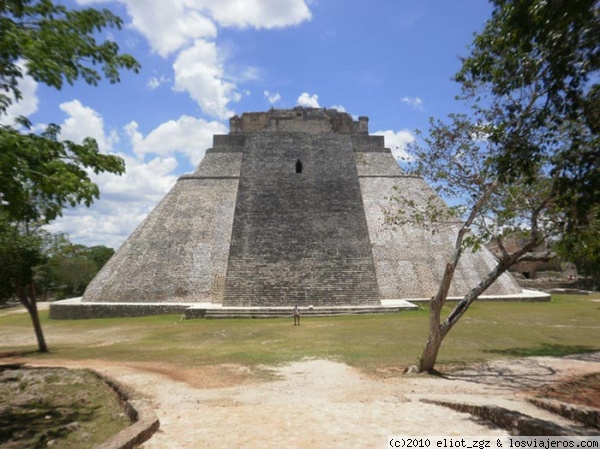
{"x":288,"y":208}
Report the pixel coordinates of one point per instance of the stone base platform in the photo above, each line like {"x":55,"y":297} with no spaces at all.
{"x":74,"y":308}
{"x":201,"y":311}
{"x":524,"y":296}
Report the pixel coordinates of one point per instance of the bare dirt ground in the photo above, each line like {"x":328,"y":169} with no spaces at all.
{"x":321,"y":403}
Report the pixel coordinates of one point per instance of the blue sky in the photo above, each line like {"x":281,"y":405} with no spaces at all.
{"x":204,"y":60}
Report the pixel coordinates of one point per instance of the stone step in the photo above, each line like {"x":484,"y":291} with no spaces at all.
{"x":286,"y":312}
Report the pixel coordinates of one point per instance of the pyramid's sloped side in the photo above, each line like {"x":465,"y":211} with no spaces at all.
{"x":410,"y":260}
{"x":220,"y":165}
{"x":179,"y":252}
{"x":378,"y":164}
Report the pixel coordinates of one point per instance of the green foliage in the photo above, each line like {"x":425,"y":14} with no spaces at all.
{"x":69,"y":267}
{"x":58,"y":45}
{"x":40,"y":175}
{"x":533,"y":77}
{"x":582,"y":247}
{"x":526,"y":158}
{"x":100,"y":254}
{"x":20,"y":252}
{"x":457,"y":159}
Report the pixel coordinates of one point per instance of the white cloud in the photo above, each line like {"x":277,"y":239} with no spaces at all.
{"x":397,"y":142}
{"x":93,"y":226}
{"x":248,"y":73}
{"x":155,"y":82}
{"x":199,"y":72}
{"x":188,"y":29}
{"x":186,"y":135}
{"x":142,"y":182}
{"x":83,"y":122}
{"x":308,"y":101}
{"x":170,"y":25}
{"x":339,"y":108}
{"x":29,"y":101}
{"x":124,"y":202}
{"x":272,"y":97}
{"x":257,"y":13}
{"x":414,"y":102}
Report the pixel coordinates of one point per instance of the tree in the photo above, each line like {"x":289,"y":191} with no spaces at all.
{"x":526,"y":157}
{"x":100,"y":254}
{"x":40,"y":174}
{"x":69,"y":267}
{"x":456,"y":158}
{"x":533,"y":75}
{"x":582,"y":247}
{"x":20,"y":253}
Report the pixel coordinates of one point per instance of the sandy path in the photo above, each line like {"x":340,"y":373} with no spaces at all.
{"x":319,"y":403}
{"x":316,"y":403}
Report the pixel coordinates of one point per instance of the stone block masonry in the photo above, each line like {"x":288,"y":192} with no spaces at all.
{"x":179,"y":252}
{"x":288,"y":208}
{"x":299,"y":231}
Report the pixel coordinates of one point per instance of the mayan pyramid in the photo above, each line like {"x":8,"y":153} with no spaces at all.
{"x":288,"y":208}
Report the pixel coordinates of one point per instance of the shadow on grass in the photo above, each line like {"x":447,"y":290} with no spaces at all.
{"x":35,"y":423}
{"x":9,"y":354}
{"x":545,"y":350}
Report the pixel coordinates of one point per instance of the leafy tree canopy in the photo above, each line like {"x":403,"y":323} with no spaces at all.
{"x":582,"y":247}
{"x":68,"y":267}
{"x":40,"y":175}
{"x":533,"y":76}
{"x":57,"y":44}
{"x":526,"y":158}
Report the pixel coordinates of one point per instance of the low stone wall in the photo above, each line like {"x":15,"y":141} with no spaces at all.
{"x":73,"y":309}
{"x":64,"y":310}
{"x":588,"y":416}
{"x":145,"y":422}
{"x":515,"y":422}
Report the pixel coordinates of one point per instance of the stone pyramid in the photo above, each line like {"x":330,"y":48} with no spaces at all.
{"x":288,"y":208}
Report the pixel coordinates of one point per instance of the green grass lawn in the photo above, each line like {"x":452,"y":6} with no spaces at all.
{"x":568,"y":324}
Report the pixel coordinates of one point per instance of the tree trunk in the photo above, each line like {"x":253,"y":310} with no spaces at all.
{"x":430,"y":352}
{"x":436,"y":332}
{"x":29,"y":301}
{"x":439,"y":330}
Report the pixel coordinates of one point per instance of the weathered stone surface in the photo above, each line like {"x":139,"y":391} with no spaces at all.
{"x":588,"y":416}
{"x":515,"y":422}
{"x":179,"y":252}
{"x":288,"y":208}
{"x":410,"y":260}
{"x":299,"y":237}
